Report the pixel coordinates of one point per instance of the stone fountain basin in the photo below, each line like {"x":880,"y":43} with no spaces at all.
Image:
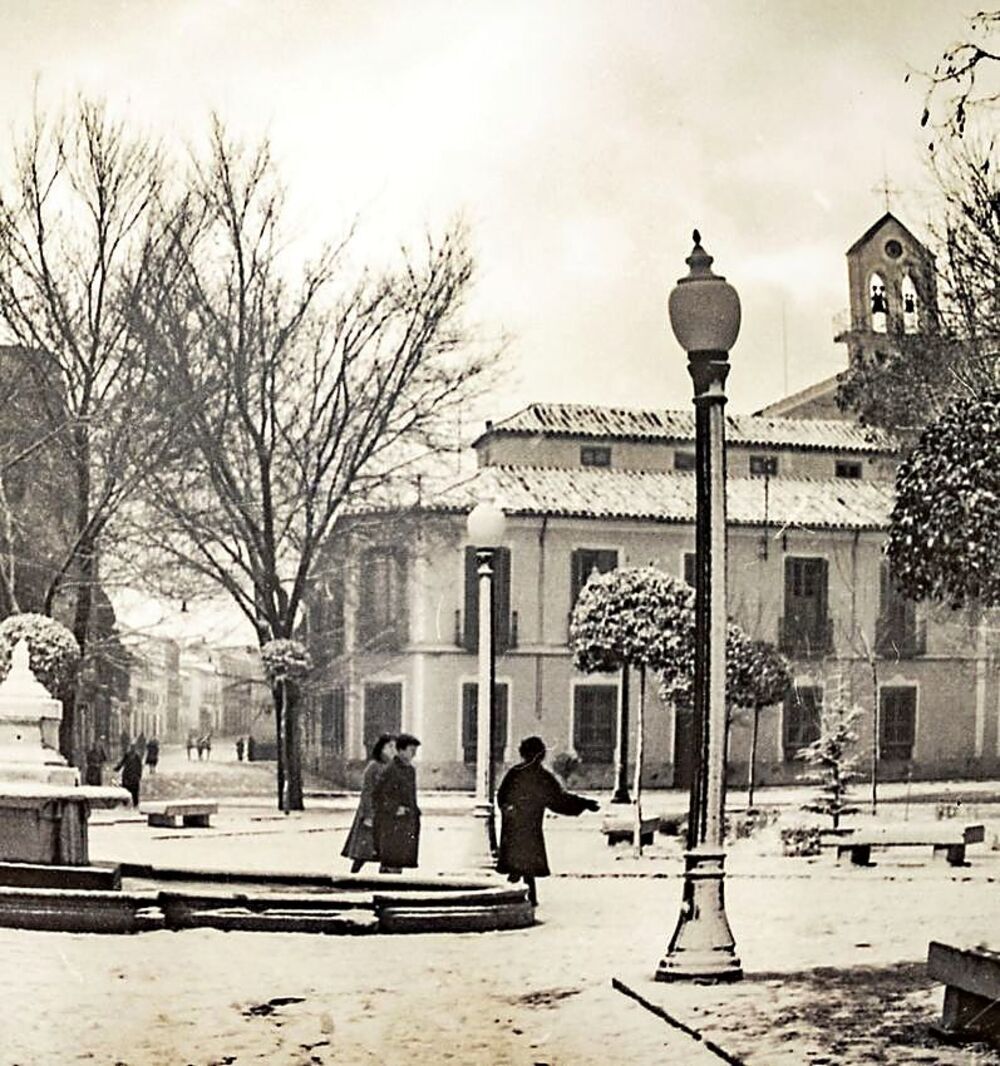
{"x":270,"y":902}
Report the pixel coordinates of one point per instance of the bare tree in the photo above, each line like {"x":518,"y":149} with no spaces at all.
{"x":81,"y":224}
{"x":312,"y":392}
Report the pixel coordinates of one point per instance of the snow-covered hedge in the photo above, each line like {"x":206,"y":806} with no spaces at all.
{"x":285,"y":660}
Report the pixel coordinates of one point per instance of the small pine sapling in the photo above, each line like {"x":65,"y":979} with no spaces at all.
{"x":832,"y":754}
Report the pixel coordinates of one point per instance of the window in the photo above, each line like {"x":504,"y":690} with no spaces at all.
{"x":848,"y":468}
{"x":763,"y":465}
{"x":879,"y":304}
{"x":470,"y":721}
{"x":382,"y":603}
{"x":898,"y":722}
{"x":805,"y":628}
{"x":684,"y":461}
{"x":326,"y":615}
{"x":801,"y":719}
{"x":501,"y":599}
{"x":595,"y":711}
{"x":583,"y":562}
{"x":911,"y":322}
{"x":690,"y":569}
{"x":898,"y":634}
{"x":331,"y":721}
{"x":383,"y":712}
{"x":595,"y":455}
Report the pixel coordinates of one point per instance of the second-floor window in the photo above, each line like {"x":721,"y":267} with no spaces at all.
{"x":763,"y":465}
{"x":690,"y":569}
{"x":501,"y":599}
{"x":849,"y":468}
{"x":584,"y":562}
{"x":595,"y":455}
{"x":382,"y":600}
{"x":898,"y":634}
{"x":331,"y":721}
{"x":684,"y":461}
{"x":805,"y":626}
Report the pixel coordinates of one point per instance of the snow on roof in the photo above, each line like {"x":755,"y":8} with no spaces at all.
{"x":587,"y":420}
{"x":595,"y":492}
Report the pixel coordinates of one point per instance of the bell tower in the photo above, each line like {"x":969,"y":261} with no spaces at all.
{"x":892,"y":290}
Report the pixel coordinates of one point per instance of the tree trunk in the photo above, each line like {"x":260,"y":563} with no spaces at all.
{"x":640,"y":737}
{"x":279,"y":739}
{"x":876,"y":730}
{"x":751,"y":768}
{"x":293,"y":747}
{"x":621,"y":770}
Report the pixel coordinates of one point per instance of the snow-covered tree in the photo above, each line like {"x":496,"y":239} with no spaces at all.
{"x":945,"y":525}
{"x":832,"y":754}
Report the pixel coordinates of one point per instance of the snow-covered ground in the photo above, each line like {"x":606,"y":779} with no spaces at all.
{"x":833,"y":960}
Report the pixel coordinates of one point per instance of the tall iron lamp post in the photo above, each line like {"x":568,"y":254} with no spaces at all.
{"x":705,"y":317}
{"x":486,"y":525}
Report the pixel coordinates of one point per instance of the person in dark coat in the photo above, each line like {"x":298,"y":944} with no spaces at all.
{"x":239,"y":749}
{"x":131,"y":768}
{"x":97,"y":756}
{"x":397,"y":816}
{"x":525,"y":793}
{"x":360,"y":843}
{"x":152,"y":754}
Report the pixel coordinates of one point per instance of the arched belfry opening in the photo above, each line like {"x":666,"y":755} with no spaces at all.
{"x":878,"y":304}
{"x":911,"y":311}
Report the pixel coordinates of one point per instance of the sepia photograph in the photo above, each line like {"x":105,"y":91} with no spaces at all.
{"x":499,"y":533}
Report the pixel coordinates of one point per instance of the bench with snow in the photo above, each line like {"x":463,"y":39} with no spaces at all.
{"x":948,"y":843}
{"x":192,"y":813}
{"x":620,"y":827}
{"x":971,"y":977}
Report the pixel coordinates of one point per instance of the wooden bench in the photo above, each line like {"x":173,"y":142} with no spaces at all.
{"x":621,"y":827}
{"x":948,"y":844}
{"x":191,"y":813}
{"x":971,"y":977}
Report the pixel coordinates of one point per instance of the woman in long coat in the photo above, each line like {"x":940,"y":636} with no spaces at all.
{"x":525,"y":793}
{"x":360,"y":843}
{"x":397,"y":816}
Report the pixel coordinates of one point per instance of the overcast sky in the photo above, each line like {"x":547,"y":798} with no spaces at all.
{"x":581,"y":140}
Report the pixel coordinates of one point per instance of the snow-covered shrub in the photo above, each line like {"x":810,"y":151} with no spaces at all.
{"x":800,"y":840}
{"x":285,"y":660}
{"x":53,"y":653}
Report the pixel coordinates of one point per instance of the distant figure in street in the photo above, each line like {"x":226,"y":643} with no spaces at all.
{"x":97,"y":756}
{"x":206,"y":741}
{"x":201,"y":748}
{"x":360,"y":843}
{"x":525,"y":793}
{"x":152,"y":754}
{"x":123,"y":742}
{"x":250,"y":748}
{"x":190,"y":743}
{"x":130,"y":765}
{"x":397,"y":816}
{"x":239,"y":749}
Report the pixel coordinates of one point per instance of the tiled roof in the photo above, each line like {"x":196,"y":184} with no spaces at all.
{"x":585,"y":420}
{"x":594,"y":492}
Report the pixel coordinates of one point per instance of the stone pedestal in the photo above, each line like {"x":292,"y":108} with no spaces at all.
{"x":43,"y":808}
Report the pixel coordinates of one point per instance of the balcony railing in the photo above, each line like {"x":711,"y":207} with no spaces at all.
{"x":895,"y":639}
{"x":805,"y":641}
{"x":508,"y":644}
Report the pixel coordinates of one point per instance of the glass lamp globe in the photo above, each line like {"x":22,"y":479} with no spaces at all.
{"x":486,"y":524}
{"x":704,"y":308}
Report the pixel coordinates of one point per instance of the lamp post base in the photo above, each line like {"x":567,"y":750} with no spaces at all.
{"x":482,"y":855}
{"x":702,"y":947}
{"x":621,"y":796}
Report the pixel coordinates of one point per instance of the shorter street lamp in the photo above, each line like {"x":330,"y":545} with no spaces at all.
{"x":486,"y":525}
{"x":705,"y":317}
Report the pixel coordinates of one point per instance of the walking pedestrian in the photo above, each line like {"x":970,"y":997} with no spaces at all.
{"x":130,"y":765}
{"x":239,"y":749}
{"x":525,"y":793}
{"x":97,"y":756}
{"x":201,"y":748}
{"x":208,"y":745}
{"x":397,"y":816}
{"x":360,"y":843}
{"x":152,"y":754}
{"x":190,"y":743}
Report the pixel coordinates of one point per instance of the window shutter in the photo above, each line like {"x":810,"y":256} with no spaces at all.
{"x":470,"y":616}
{"x":577,"y":577}
{"x":501,"y":599}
